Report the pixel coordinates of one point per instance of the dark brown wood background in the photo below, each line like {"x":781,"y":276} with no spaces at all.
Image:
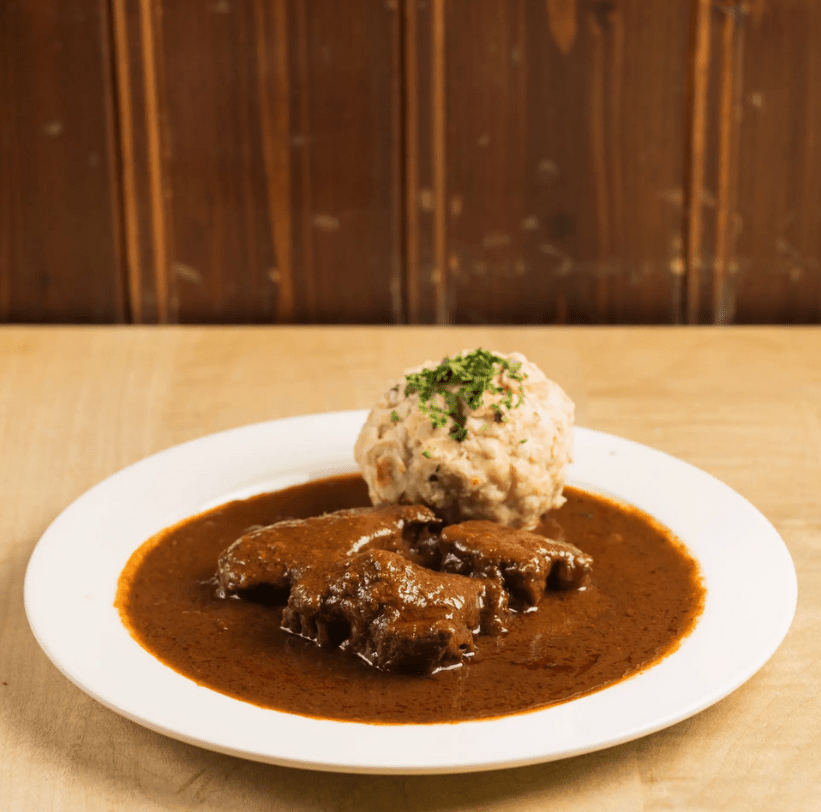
{"x":423,"y":161}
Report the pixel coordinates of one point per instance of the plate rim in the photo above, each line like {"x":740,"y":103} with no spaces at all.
{"x":460,"y":761}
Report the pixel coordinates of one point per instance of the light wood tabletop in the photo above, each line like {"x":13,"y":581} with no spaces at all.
{"x":77,"y":404}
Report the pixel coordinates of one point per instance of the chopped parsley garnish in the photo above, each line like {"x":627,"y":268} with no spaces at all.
{"x":460,"y":382}
{"x":395,"y":417}
{"x":427,"y":454}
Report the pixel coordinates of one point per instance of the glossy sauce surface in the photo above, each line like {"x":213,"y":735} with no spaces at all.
{"x":645,"y":595}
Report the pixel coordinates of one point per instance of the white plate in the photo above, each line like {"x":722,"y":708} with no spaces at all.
{"x":72,"y":577}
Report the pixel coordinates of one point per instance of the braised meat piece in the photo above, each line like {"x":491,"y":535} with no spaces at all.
{"x":524,"y":563}
{"x":279,"y":555}
{"x":395,"y":614}
{"x":382,"y":584}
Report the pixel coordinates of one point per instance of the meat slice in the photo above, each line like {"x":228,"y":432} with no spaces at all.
{"x":524,"y":563}
{"x":395,"y":614}
{"x":278,"y":555}
{"x":382,"y":584}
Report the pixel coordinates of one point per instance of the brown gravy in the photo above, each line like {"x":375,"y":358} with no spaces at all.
{"x":645,"y":596}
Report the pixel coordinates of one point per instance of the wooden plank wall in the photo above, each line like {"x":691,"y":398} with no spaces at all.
{"x":261,"y":145}
{"x":423,"y":161}
{"x":60,"y":239}
{"x":555,"y":161}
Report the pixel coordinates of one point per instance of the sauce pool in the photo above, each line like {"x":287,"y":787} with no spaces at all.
{"x":645,"y":595}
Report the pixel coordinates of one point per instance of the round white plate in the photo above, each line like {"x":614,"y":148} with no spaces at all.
{"x":72,"y":578}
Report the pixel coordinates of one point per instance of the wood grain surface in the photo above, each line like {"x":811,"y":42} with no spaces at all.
{"x":261,"y":160}
{"x":77,"y":404}
{"x":60,"y":240}
{"x":422,"y":161}
{"x":755,"y":221}
{"x":546,"y":177}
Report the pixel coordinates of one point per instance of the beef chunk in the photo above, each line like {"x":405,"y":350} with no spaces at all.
{"x":280,"y":554}
{"x":364,"y":579}
{"x":395,"y":614}
{"x":523,"y":562}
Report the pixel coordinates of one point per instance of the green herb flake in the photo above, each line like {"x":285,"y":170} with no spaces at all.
{"x":395,"y":417}
{"x":426,"y":453}
{"x":522,"y":441}
{"x":459,"y":383}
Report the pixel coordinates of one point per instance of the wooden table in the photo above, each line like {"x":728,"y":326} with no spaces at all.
{"x":77,"y":404}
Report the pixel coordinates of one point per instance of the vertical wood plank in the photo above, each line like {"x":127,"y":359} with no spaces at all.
{"x":776,"y":262}
{"x":151,"y":41}
{"x":212,"y":249}
{"x":136,"y":35}
{"x":60,"y":247}
{"x":729,"y":66}
{"x":761,"y":246}
{"x":699,"y":66}
{"x":717,"y":204}
{"x":347,"y":143}
{"x":275,"y":121}
{"x":264,"y":142}
{"x":563,"y":161}
{"x":425,"y":161}
{"x":440,"y":156}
